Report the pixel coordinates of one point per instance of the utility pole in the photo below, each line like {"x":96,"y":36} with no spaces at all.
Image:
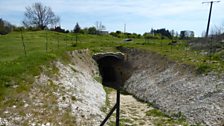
{"x":209,"y":17}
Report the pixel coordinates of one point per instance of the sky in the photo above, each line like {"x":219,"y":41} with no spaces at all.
{"x":138,"y":15}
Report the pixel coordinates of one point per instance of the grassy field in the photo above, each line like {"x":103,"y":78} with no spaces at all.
{"x":11,"y":45}
{"x":44,"y":46}
{"x":41,"y":48}
{"x":17,"y":70}
{"x":182,"y":53}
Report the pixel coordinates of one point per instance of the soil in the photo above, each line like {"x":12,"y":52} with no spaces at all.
{"x":133,"y":112}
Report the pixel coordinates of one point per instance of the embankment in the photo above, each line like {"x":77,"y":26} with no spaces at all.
{"x":65,"y":93}
{"x":175,"y":88}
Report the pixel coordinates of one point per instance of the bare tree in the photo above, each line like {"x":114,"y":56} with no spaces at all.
{"x":39,"y":16}
{"x":216,"y":30}
{"x":222,"y":27}
{"x":99,"y":26}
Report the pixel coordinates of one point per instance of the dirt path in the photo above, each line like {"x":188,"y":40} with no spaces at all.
{"x":133,"y":112}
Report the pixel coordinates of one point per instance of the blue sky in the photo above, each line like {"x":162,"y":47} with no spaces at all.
{"x":138,"y":15}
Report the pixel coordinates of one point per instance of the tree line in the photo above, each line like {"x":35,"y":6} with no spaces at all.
{"x":166,"y":34}
{"x":5,"y":27}
{"x":40,"y":17}
{"x":120,"y":34}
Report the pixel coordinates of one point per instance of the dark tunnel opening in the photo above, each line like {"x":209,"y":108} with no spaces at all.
{"x":110,"y":70}
{"x":108,"y":74}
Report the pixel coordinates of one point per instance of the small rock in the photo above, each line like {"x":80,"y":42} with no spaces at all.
{"x":48,"y":124}
{"x":6,"y":112}
{"x":15,"y":86}
{"x":26,"y":105}
{"x":33,"y":124}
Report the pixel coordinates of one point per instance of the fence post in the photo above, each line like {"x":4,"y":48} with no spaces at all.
{"x":118,"y":108}
{"x":46,"y":41}
{"x":24,"y":47}
{"x":58,"y":39}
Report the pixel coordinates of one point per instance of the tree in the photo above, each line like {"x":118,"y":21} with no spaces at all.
{"x":39,"y":16}
{"x":182,"y":34}
{"x":186,"y":34}
{"x":92,"y":30}
{"x":99,"y":27}
{"x":176,"y":34}
{"x":77,"y":28}
{"x":5,"y":27}
{"x":216,"y":30}
{"x":163,"y":32}
{"x":1,"y":25}
{"x":172,"y":32}
{"x":59,"y":29}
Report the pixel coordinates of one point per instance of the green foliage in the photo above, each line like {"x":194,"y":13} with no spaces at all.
{"x":186,"y":34}
{"x":108,"y":91}
{"x":16,"y":68}
{"x":73,"y":98}
{"x":122,"y":122}
{"x":163,"y":119}
{"x":5,"y":27}
{"x":77,"y":28}
{"x":98,"y":79}
{"x":120,"y":34}
{"x":203,"y":68}
{"x":92,"y":30}
{"x":156,"y":113}
{"x":163,"y":32}
{"x":151,"y":36}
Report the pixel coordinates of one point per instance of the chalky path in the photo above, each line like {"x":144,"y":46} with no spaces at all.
{"x":133,"y":112}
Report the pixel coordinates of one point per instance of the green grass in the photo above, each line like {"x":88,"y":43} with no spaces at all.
{"x":11,"y":44}
{"x":121,"y":123}
{"x":183,"y":54}
{"x":162,"y":119}
{"x":107,"y":102}
{"x":156,"y":113}
{"x":16,"y":68}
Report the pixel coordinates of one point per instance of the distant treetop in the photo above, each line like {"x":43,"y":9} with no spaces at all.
{"x":39,"y":16}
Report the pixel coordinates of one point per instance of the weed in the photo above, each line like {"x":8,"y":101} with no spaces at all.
{"x":163,"y":119}
{"x":107,"y":102}
{"x":73,"y":98}
{"x":98,"y":79}
{"x":155,"y":113}
{"x":203,"y":68}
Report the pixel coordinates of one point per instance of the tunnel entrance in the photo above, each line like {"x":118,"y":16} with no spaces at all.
{"x":110,"y":67}
{"x":108,"y":74}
